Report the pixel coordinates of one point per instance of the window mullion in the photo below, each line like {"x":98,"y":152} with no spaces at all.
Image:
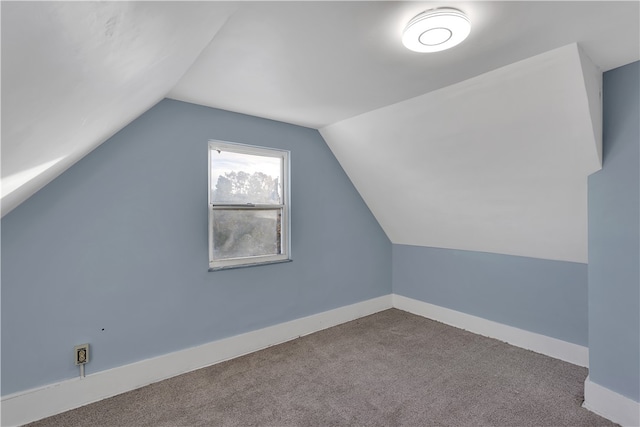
{"x":246,"y":206}
{"x":243,"y":234}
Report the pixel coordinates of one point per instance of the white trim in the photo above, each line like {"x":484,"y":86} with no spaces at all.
{"x":31,"y":405}
{"x":611,"y":405}
{"x":284,"y":206}
{"x":563,"y":350}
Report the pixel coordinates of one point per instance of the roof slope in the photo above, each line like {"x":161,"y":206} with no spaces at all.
{"x":497,"y":163}
{"x":74,"y":73}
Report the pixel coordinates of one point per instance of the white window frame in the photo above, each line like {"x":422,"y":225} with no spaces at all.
{"x":285,"y":226}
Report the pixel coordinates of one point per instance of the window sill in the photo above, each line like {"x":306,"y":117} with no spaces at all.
{"x":255,"y":264}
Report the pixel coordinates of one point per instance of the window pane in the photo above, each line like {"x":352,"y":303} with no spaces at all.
{"x":245,"y":178}
{"x":246,"y":232}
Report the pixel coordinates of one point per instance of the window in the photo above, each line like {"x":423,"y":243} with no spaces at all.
{"x":248,"y":205}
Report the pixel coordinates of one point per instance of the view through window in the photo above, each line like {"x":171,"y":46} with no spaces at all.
{"x":248,"y":206}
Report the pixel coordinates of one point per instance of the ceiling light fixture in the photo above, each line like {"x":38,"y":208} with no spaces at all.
{"x":436,"y":30}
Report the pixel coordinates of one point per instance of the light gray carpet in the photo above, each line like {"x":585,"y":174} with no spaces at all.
{"x":388,"y":369}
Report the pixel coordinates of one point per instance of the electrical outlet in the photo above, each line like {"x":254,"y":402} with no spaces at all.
{"x":81,"y":354}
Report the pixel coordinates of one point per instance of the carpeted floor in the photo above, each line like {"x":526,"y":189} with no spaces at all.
{"x":388,"y":369}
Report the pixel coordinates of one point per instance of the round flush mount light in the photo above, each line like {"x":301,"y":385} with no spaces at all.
{"x":436,"y":30}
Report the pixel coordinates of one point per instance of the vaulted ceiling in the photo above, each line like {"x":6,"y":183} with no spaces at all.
{"x":485,"y":147}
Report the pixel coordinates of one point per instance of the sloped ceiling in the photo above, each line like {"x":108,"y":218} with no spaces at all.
{"x":75,"y":73}
{"x":316,"y":63}
{"x":497,"y":163}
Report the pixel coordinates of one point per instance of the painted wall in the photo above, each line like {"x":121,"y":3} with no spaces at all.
{"x":614,"y":240}
{"x":114,"y":251}
{"x":542,"y":296}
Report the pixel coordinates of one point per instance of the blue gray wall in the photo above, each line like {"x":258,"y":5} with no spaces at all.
{"x":114,"y":251}
{"x":614,"y":240}
{"x":543,"y":296}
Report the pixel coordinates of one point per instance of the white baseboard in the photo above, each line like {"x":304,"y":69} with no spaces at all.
{"x":563,"y":350}
{"x":35,"y":404}
{"x":611,"y":405}
{"x":32,"y":405}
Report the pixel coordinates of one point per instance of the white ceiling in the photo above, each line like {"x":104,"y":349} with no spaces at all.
{"x":497,"y":163}
{"x":316,"y":63}
{"x":74,"y":73}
